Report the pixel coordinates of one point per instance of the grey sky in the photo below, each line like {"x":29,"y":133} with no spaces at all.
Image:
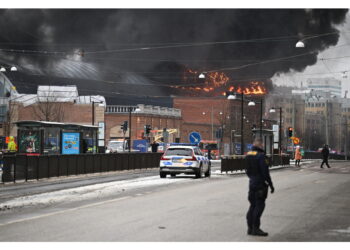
{"x":325,"y":68}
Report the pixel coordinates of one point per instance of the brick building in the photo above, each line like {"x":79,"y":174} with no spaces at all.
{"x":207,"y":115}
{"x":157,"y":117}
{"x":56,"y":104}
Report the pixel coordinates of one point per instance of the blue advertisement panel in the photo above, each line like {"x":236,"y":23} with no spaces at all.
{"x":238,"y":148}
{"x":247,"y":146}
{"x":70,"y":143}
{"x":140,"y":145}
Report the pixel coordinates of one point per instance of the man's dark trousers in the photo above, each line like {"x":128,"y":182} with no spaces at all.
{"x":256,"y":197}
{"x":325,"y":161}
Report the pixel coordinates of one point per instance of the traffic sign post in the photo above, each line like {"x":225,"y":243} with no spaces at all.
{"x":195,"y":137}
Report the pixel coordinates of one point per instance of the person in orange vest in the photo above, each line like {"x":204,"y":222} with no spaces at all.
{"x":297,"y":156}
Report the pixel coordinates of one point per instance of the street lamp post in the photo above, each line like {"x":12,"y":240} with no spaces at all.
{"x":273,"y":110}
{"x":233,"y":97}
{"x":212,"y":121}
{"x":130,"y":109}
{"x":251,"y":103}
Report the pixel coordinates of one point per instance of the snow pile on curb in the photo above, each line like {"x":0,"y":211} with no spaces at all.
{"x":86,"y":192}
{"x":218,"y":172}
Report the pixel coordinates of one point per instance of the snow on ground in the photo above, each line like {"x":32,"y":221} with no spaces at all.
{"x":87,"y":192}
{"x":101,"y":190}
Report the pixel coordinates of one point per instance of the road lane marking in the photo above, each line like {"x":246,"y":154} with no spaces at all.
{"x":63,"y":211}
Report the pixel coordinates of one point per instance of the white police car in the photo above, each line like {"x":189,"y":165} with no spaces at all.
{"x":186,"y":159}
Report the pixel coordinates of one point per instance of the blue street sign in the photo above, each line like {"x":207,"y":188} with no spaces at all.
{"x":195,"y":137}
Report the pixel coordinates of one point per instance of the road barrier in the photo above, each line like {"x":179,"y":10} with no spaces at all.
{"x":235,"y":163}
{"x":24,"y":168}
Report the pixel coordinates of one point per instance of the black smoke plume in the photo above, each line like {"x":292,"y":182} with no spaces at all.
{"x":56,"y":45}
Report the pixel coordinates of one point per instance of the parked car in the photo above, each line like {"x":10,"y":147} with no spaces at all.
{"x":116,"y":146}
{"x":184,"y":159}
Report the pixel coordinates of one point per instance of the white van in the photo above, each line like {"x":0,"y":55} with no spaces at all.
{"x":117,"y":146}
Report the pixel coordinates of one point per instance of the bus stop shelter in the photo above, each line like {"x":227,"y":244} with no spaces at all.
{"x":41,"y":137}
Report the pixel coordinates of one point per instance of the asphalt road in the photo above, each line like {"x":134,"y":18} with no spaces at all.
{"x":309,"y":204}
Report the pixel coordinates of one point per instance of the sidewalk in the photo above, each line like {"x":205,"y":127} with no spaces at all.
{"x":19,"y":189}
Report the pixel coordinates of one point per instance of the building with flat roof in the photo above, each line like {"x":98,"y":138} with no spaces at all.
{"x":329,"y":84}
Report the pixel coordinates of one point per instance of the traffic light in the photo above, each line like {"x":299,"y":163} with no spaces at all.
{"x":290,"y":132}
{"x":147,"y":129}
{"x":124,"y":126}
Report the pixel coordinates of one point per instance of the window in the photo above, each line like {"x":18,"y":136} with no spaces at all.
{"x":179,"y":151}
{"x":197,"y":151}
{"x":52,"y":140}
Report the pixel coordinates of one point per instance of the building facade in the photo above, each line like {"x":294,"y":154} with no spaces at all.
{"x":329,"y":84}
{"x":159,"y":118}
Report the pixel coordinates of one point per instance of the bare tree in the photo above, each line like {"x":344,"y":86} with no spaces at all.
{"x":48,"y":107}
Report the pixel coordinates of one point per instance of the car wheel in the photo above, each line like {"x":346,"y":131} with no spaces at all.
{"x":208,"y":173}
{"x":199,"y":174}
{"x":173,"y":175}
{"x":162,"y":175}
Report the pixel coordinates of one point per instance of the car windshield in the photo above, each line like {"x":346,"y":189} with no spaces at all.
{"x":179,"y":151}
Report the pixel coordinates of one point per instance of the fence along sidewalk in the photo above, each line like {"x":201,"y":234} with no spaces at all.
{"x":24,"y":168}
{"x":239,"y":163}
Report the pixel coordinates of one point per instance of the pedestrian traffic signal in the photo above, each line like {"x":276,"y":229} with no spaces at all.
{"x":290,"y":132}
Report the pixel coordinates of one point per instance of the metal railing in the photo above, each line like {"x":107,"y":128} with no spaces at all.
{"x":238,"y":162}
{"x":318,"y":155}
{"x":24,"y":168}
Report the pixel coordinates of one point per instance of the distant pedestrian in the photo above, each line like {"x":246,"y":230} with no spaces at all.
{"x":209,"y":155}
{"x":154,"y":146}
{"x":259,"y":181}
{"x":297,"y":156}
{"x":325,"y":155}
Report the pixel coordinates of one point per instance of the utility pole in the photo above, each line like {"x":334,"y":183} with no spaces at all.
{"x":346,"y":138}
{"x":129,"y":140}
{"x":280,"y":133}
{"x":242,"y":132}
{"x":261,"y":116}
{"x":327,"y":135}
{"x":93,"y":113}
{"x":212,"y":124}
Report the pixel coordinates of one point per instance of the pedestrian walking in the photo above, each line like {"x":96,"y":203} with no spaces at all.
{"x":154,"y":146}
{"x":325,"y":154}
{"x":209,"y":157}
{"x":259,"y":181}
{"x":297,"y":156}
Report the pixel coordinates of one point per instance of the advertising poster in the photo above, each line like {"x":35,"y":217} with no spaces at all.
{"x":140,"y":145}
{"x":29,"y":141}
{"x":70,"y":143}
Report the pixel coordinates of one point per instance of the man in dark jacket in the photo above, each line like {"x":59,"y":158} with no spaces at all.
{"x":259,"y":181}
{"x":154,"y":146}
{"x":325,"y":154}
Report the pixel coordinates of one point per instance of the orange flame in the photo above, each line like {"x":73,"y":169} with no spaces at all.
{"x":216,"y":82}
